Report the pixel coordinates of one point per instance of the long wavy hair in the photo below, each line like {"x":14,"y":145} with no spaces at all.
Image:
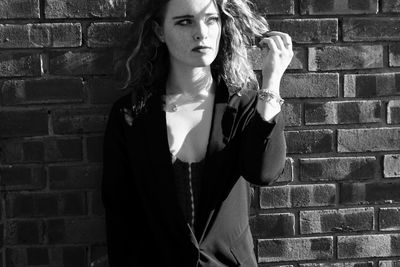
{"x":144,"y":64}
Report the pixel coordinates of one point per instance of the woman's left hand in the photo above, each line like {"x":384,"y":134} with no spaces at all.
{"x":277,"y":59}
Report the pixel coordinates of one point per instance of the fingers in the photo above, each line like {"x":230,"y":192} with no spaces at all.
{"x":282,"y":40}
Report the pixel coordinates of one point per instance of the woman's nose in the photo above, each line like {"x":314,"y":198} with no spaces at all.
{"x":201,"y":32}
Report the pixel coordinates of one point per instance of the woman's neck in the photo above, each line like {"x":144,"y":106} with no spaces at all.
{"x":189,"y":81}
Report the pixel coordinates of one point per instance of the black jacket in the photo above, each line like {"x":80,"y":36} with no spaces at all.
{"x":145,"y":225}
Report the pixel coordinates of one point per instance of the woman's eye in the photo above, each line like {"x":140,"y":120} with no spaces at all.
{"x":213,"y":19}
{"x":184,"y":22}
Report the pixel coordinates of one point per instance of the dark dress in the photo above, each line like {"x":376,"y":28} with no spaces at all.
{"x":147,"y":217}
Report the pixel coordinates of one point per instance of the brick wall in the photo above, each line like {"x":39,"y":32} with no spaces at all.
{"x":342,"y":91}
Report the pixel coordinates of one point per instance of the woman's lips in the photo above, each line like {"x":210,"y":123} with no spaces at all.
{"x":201,"y":49}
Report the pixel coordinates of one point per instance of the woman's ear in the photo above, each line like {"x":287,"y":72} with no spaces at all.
{"x":158,"y":30}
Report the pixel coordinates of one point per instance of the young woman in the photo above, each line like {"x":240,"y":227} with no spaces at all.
{"x":180,"y":148}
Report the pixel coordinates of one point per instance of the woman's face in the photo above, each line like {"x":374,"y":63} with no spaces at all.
{"x":191,"y":31}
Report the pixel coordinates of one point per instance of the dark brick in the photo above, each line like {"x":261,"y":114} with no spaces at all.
{"x":18,"y":9}
{"x":76,"y":230}
{"x":23,"y":232}
{"x":342,"y":112}
{"x":297,"y":196}
{"x":371,"y":85}
{"x":309,"y":141}
{"x":42,"y":91}
{"x":40,"y":35}
{"x":15,"y":257}
{"x":22,"y":178}
{"x":74,"y":257}
{"x":295,"y":249}
{"x":343,"y":220}
{"x":371,"y":29}
{"x":37,"y":256}
{"x":73,"y":204}
{"x":292,"y":113}
{"x":79,"y":120}
{"x":63,"y":149}
{"x":272,"y":7}
{"x":378,"y":245}
{"x":365,"y":193}
{"x":74,"y":177}
{"x":334,"y":7}
{"x":394,"y":57}
{"x":19,"y":64}
{"x":17,"y":151}
{"x":80,"y":63}
{"x":273,"y":225}
{"x":389,"y":219}
{"x":31,"y":205}
{"x":308,"y":30}
{"x":104,"y":91}
{"x":94,"y":148}
{"x":345,"y":57}
{"x":363,"y":140}
{"x":96,"y":203}
{"x":33,"y":151}
{"x":346,"y":168}
{"x":84,"y":8}
{"x":391,"y":6}
{"x":393,"y":112}
{"x":310,"y":85}
{"x":23,"y":123}
{"x":108,"y":34}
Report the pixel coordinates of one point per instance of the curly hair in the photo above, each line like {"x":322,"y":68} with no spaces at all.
{"x":145,"y":58}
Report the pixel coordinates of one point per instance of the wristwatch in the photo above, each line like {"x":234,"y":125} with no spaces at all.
{"x":268,"y":95}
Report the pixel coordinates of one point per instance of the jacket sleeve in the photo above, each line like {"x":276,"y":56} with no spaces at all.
{"x":115,"y":171}
{"x":263,"y":148}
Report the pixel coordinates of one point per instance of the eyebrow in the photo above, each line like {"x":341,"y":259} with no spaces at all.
{"x":191,"y":16}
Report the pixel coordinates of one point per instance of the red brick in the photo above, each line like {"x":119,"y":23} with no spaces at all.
{"x":74,"y":176}
{"x":104,"y":90}
{"x":76,"y":230}
{"x":334,"y":7}
{"x":389,"y":219}
{"x":272,"y":225}
{"x":391,"y":6}
{"x":369,"y":193}
{"x":297,"y":196}
{"x":338,"y":169}
{"x":272,"y":7}
{"x":80,"y":63}
{"x":41,"y":91}
{"x":373,"y":139}
{"x":393,"y":112}
{"x":256,"y":56}
{"x":108,"y":34}
{"x":391,"y":166}
{"x":304,"y":31}
{"x":394,"y":55}
{"x":94,"y":148}
{"x":371,"y":85}
{"x":19,"y":64}
{"x":295,"y":249}
{"x":292,"y":114}
{"x":341,"y":220}
{"x":364,"y":246}
{"x":345,"y":57}
{"x":371,"y":29}
{"x":309,"y":141}
{"x":310,"y":85}
{"x":22,"y":178}
{"x":23,"y":232}
{"x":23,"y":123}
{"x":79,"y":120}
{"x":84,"y":8}
{"x":18,"y":9}
{"x":40,"y":35}
{"x":343,"y":112}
